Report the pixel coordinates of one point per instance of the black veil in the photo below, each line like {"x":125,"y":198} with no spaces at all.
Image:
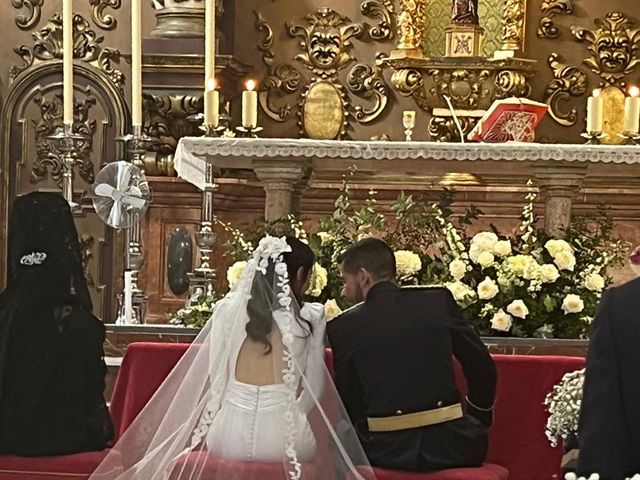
{"x":45,"y":281}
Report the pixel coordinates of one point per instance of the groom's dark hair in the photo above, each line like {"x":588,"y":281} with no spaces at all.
{"x":372,"y":254}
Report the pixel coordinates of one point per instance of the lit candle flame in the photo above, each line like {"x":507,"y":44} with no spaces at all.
{"x":596,"y":92}
{"x":634,"y":91}
{"x":250,"y":85}
{"x":211,"y":84}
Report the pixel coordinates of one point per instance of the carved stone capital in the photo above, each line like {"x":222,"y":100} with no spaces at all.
{"x":281,"y":181}
{"x":558,"y":184}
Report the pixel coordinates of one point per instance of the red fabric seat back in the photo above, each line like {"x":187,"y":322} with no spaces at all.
{"x":517,"y":438}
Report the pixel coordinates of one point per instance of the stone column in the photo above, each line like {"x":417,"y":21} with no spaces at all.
{"x":558,"y":184}
{"x":281,"y":180}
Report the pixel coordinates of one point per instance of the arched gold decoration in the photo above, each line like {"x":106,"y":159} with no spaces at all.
{"x":367,"y":82}
{"x":87,"y":48}
{"x":568,"y":81}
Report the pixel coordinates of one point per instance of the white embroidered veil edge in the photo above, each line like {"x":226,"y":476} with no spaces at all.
{"x":169,"y":439}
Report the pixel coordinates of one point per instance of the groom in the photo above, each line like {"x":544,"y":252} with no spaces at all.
{"x":394,"y":369}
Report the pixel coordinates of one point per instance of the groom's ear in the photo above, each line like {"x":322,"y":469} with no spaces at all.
{"x":364,"y":277}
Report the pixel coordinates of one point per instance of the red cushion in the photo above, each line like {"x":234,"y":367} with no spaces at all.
{"x":80,"y":465}
{"x":486,"y":472}
{"x":517,"y":439}
{"x":144,"y":368}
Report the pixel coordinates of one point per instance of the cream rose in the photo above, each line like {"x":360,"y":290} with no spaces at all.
{"x":518,"y":263}
{"x":572,"y":304}
{"x":501,"y":321}
{"x":457,"y":269}
{"x":331,"y":310}
{"x":554,"y":247}
{"x":460,"y":291}
{"x":594,"y":282}
{"x":487,"y":289}
{"x":235,"y":271}
{"x":502,"y":248}
{"x":565,"y":260}
{"x":474,"y":252}
{"x":486,"y":259}
{"x":407,"y":263}
{"x":517,"y":308}
{"x":485,"y":240}
{"x":531,"y":271}
{"x":549,"y":273}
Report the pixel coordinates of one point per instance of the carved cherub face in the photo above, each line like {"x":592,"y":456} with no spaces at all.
{"x":614,"y":51}
{"x":325,"y":46}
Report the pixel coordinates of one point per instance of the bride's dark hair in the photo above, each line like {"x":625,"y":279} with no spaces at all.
{"x":260,"y":306}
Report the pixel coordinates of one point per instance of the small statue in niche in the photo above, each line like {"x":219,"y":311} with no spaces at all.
{"x":465,"y":12}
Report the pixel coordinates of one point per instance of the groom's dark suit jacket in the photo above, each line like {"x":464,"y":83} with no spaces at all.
{"x":393,"y":355}
{"x":609,"y":431}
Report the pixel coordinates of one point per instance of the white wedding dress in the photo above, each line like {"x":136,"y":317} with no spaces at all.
{"x":205,"y":422}
{"x":249,"y":425}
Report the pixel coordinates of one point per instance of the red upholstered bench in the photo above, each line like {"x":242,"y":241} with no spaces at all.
{"x":517,"y":440}
{"x":78,"y":466}
{"x":486,"y":472}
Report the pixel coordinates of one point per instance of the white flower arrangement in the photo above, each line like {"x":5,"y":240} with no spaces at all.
{"x":407,"y":263}
{"x":563,"y":404}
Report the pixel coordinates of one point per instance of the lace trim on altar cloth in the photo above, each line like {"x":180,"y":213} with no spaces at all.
{"x":305,"y":148}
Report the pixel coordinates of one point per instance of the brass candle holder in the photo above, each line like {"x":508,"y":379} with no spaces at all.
{"x":593,"y":138}
{"x":249,"y":132}
{"x":68,"y":143}
{"x":631,"y":138}
{"x":209,"y":129}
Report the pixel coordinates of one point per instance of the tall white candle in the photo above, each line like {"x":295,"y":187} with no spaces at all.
{"x":632,"y":111}
{"x":211,"y":104}
{"x":250,"y":105}
{"x":67,"y":61}
{"x":595,"y":112}
{"x":136,"y":63}
{"x":210,"y":63}
{"x":128,"y":293}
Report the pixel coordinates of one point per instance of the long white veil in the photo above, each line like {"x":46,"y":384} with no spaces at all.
{"x":296,"y":428}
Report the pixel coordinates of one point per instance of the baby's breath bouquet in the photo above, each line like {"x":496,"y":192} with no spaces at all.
{"x":563,"y":404}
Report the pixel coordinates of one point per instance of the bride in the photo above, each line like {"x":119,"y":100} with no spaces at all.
{"x":251,"y":398}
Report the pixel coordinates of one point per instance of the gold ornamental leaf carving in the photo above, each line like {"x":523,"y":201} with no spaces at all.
{"x":568,"y":81}
{"x":34,"y":12}
{"x":549,"y":9}
{"x":613,"y":46}
{"x":106,"y":21}
{"x":323,"y":111}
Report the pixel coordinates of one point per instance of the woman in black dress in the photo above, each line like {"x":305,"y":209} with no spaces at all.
{"x":52,"y":368}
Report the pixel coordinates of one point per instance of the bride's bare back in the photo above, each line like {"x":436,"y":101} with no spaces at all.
{"x":254,"y":367}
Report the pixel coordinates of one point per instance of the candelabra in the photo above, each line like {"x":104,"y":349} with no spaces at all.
{"x":202,"y":277}
{"x":67,"y":143}
{"x":136,"y":144}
